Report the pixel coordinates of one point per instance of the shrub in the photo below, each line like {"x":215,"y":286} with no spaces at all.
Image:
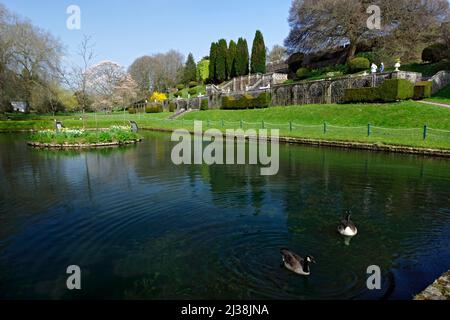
{"x":371,"y":56}
{"x":177,"y":94}
{"x":396,"y":89}
{"x":391,"y":90}
{"x":362,"y":95}
{"x":204,"y":105}
{"x":359,"y":64}
{"x":180,"y":86}
{"x":193,"y":84}
{"x":422,"y":90}
{"x":263,"y":100}
{"x":303,"y":73}
{"x":434,"y":53}
{"x":131,"y":110}
{"x":156,"y":108}
{"x":172,"y":107}
{"x":192,"y":91}
{"x":228,"y":102}
{"x":158,"y":97}
{"x":247,"y":102}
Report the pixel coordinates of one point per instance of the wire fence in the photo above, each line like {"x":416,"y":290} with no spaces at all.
{"x":419,"y":136}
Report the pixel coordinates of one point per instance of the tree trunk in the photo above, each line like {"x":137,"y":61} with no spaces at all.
{"x":351,"y":51}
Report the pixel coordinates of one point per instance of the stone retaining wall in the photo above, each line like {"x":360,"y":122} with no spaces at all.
{"x":331,"y":91}
{"x":313,"y":92}
{"x":186,"y":104}
{"x":439,"y":290}
{"x":440,"y":80}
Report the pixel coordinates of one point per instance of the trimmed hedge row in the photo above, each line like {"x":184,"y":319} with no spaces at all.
{"x":204,"y":105}
{"x":154,"y":109}
{"x":422,"y":90}
{"x":172,"y":107}
{"x":247,"y":102}
{"x":390,"y":91}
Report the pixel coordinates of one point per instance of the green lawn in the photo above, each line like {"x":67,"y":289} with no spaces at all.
{"x":90,"y":120}
{"x":408,"y":114}
{"x":442,"y":96}
{"x":397,"y":123}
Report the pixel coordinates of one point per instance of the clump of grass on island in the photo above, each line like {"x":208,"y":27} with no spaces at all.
{"x":115,"y":134}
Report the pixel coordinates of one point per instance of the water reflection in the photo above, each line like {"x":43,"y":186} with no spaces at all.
{"x":141,"y":227}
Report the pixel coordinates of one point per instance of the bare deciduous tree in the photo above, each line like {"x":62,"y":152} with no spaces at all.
{"x":406,"y":24}
{"x":86,"y":52}
{"x":158,"y":72}
{"x":140,"y":72}
{"x":277,"y":54}
{"x":29,"y":57}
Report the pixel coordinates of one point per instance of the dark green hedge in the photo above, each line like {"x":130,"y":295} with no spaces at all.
{"x":154,"y":109}
{"x":247,"y":102}
{"x":172,"y":106}
{"x":435,"y":53}
{"x":422,"y":90}
{"x":204,"y":105}
{"x":391,"y":90}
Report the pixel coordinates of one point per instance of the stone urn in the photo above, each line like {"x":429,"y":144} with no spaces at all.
{"x":397,"y":66}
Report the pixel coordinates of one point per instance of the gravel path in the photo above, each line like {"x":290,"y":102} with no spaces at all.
{"x":435,"y":104}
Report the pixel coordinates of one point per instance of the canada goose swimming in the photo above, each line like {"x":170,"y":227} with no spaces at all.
{"x":295,"y":263}
{"x":347,"y":228}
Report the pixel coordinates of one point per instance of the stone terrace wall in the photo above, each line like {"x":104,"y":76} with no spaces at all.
{"x":331,"y":91}
{"x":440,"y":80}
{"x":306,"y":92}
{"x":193,"y":103}
{"x":253,"y":81}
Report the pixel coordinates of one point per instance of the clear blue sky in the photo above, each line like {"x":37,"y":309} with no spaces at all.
{"x":124,"y":30}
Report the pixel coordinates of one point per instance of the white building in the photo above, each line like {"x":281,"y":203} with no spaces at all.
{"x":19,"y":106}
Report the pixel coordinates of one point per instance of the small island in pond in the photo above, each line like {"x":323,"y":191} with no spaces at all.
{"x":79,"y":138}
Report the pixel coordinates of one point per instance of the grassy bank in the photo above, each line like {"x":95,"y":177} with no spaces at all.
{"x":442,"y":96}
{"x":396,"y":124}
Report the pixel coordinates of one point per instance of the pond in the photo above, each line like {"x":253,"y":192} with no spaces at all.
{"x":140,"y":227}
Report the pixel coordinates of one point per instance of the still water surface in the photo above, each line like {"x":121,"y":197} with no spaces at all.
{"x":142,"y":228}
